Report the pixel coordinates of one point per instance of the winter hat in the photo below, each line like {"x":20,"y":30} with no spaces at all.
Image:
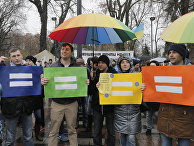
{"x":124,"y":58}
{"x":33,"y":59}
{"x":104,"y":59}
{"x":180,"y":48}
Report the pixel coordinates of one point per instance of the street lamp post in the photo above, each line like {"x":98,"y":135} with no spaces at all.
{"x":152,"y":19}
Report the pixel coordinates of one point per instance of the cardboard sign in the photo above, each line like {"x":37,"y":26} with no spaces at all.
{"x":19,"y":81}
{"x":122,"y":88}
{"x":169,"y":84}
{"x":65,"y":82}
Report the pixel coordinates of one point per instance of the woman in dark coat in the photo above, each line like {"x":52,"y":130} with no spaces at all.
{"x":127,"y":117}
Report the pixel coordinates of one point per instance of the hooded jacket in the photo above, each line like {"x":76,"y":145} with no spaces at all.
{"x":127,"y":116}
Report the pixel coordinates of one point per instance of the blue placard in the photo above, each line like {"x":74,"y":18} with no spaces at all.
{"x":19,"y":81}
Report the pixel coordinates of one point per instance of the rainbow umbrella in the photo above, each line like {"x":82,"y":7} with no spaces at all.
{"x":181,"y":30}
{"x":92,"y":29}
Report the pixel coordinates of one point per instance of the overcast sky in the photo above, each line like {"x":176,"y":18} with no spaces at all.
{"x":33,"y":20}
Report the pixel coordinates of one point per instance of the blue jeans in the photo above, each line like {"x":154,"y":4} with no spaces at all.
{"x":62,"y":127}
{"x":128,"y":140}
{"x":10,"y":130}
{"x":98,"y":124}
{"x":38,"y":121}
{"x":167,"y":141}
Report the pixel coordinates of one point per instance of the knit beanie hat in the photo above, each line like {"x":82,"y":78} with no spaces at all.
{"x":104,"y":59}
{"x":180,"y":48}
{"x":124,"y":58}
{"x":33,"y":59}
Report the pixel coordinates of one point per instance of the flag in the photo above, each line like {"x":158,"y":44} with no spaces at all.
{"x":169,"y":84}
{"x":19,"y":81}
{"x":65,"y":82}
{"x":139,"y":31}
{"x":122,"y":88}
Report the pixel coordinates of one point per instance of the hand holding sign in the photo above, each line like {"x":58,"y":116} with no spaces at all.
{"x":44,"y":81}
{"x":3,"y":58}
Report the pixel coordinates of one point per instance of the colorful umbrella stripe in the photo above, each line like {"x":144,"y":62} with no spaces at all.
{"x":181,"y":30}
{"x":92,"y":29}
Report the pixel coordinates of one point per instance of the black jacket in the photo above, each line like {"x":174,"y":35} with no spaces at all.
{"x":14,"y":106}
{"x":95,"y":94}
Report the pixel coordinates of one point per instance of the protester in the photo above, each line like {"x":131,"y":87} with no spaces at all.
{"x":99,"y":112}
{"x":38,"y":106}
{"x":46,"y":64}
{"x":175,"y":121}
{"x":81,"y":101}
{"x":94,"y":66}
{"x":50,"y":62}
{"x":88,"y":63}
{"x":114,"y":65}
{"x":152,"y":107}
{"x":166,"y":62}
{"x":136,"y":66}
{"x":92,"y":74}
{"x":14,"y":108}
{"x":40,"y":63}
{"x":63,"y":106}
{"x":127,"y":117}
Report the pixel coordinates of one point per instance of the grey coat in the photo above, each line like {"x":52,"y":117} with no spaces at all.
{"x":128,"y":119}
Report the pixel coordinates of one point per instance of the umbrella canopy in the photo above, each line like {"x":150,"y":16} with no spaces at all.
{"x":92,"y":29}
{"x":181,"y":30}
{"x":158,"y":59}
{"x":135,"y":59}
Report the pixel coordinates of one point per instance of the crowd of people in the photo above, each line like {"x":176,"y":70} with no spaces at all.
{"x":174,"y":121}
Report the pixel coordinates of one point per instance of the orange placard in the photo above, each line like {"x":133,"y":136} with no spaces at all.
{"x":169,"y":84}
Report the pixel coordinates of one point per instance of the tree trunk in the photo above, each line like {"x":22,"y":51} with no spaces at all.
{"x":42,"y":10}
{"x":43,"y":33}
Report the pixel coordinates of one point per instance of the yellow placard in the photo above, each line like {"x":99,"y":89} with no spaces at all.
{"x":105,"y":83}
{"x":124,"y":88}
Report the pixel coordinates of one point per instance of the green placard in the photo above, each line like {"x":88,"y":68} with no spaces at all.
{"x":65,"y":82}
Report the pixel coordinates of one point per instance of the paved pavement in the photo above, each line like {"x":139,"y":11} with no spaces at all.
{"x":85,"y":138}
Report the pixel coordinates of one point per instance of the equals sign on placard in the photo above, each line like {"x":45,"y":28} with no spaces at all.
{"x":20,"y":76}
{"x":65,"y":80}
{"x":168,"y":79}
{"x":122,"y":93}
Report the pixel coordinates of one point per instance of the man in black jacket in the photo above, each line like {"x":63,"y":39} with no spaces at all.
{"x":99,"y":111}
{"x":14,"y":108}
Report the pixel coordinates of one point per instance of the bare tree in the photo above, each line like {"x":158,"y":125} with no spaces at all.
{"x":61,"y":9}
{"x":120,"y":9}
{"x":159,"y":23}
{"x":42,"y":6}
{"x":65,"y":7}
{"x":10,"y":16}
